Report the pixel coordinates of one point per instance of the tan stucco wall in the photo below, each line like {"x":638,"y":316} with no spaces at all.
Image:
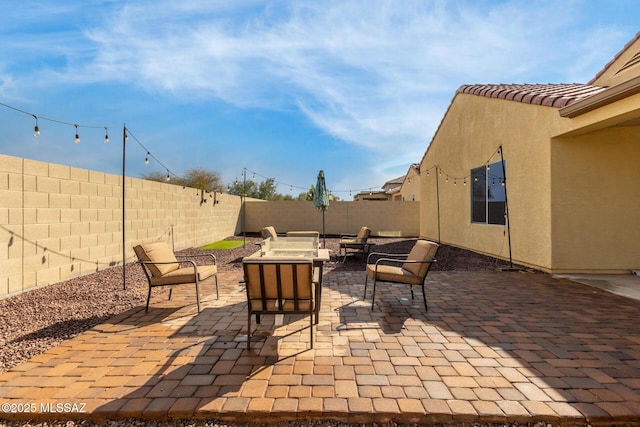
{"x":574,"y":201}
{"x":596,"y":201}
{"x":57,"y":221}
{"x":473,"y":129}
{"x":384,"y":218}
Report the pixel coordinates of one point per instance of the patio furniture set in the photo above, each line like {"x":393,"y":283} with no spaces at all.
{"x":285,"y":275}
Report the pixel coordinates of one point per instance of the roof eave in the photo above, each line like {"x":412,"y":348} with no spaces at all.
{"x":600,"y":99}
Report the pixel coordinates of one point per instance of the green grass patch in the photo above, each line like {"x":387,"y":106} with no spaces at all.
{"x":223,"y":244}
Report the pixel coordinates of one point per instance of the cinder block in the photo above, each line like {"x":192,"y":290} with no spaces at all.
{"x":79,"y":175}
{"x":35,"y":167}
{"x":70,"y":215}
{"x":80,"y":201}
{"x":59,"y":230}
{"x":11,"y":199}
{"x":29,"y":216}
{"x":69,"y":187}
{"x":96,"y":202}
{"x":88,"y":189}
{"x":59,"y":171}
{"x":35,"y":232}
{"x":59,"y":201}
{"x":69,"y":243}
{"x":96,"y":177}
{"x":88,"y":215}
{"x":47,"y":276}
{"x":47,"y":185}
{"x":10,"y":164}
{"x":47,"y":215}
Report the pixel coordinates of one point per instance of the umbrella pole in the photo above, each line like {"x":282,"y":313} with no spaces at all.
{"x":324,"y":234}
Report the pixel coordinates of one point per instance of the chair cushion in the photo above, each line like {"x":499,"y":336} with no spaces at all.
{"x":392,"y":273}
{"x":304,"y":275}
{"x":269,"y":233}
{"x":363,"y":234}
{"x":157,"y":252}
{"x":422,"y":250}
{"x":185,"y":275}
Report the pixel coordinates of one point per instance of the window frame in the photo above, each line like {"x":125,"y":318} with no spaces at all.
{"x":487,"y":183}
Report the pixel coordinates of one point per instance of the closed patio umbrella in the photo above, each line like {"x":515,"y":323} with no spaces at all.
{"x":321,"y":201}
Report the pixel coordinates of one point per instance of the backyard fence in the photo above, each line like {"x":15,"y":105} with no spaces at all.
{"x":58,"y":222}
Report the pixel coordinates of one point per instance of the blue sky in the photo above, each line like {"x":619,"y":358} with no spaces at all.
{"x":282,"y":88}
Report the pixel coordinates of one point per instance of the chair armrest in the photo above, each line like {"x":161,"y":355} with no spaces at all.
{"x":385,"y":255}
{"x":404,"y":261}
{"x":198,"y":255}
{"x":170,"y":262}
{"x":348,"y":235}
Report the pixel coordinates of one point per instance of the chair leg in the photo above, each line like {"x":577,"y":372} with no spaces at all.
{"x":373,"y":296}
{"x":198,"y":294}
{"x":424,"y":296}
{"x":217,"y":292}
{"x":148,"y":298}
{"x":366,"y":277}
{"x":170,"y":291}
{"x":311,"y":327}
{"x":411,"y":287}
{"x":249,"y":332}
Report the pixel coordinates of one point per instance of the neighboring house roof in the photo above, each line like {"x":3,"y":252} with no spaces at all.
{"x":549,"y":95}
{"x":393,"y":184}
{"x":615,"y":59}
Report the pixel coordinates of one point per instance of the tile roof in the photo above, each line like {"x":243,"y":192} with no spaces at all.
{"x":550,"y":95}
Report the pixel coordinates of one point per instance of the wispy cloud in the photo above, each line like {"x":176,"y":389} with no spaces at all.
{"x":377,"y":74}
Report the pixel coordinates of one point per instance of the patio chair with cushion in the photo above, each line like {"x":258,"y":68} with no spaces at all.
{"x":278,"y":285}
{"x":357,"y":243}
{"x":269,"y":233}
{"x":162,"y":268}
{"x":411,"y":268}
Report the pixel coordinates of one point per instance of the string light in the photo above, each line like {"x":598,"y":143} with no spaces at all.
{"x":486,"y":166}
{"x":36,"y":129}
{"x":36,"y":132}
{"x":127,"y":133}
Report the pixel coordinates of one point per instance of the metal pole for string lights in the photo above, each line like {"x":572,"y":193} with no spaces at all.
{"x":124,"y":252}
{"x":506,"y":205}
{"x":244,"y":206}
{"x":438,"y":199}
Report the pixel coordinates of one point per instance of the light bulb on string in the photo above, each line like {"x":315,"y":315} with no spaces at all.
{"x":168,"y":177}
{"x":106,"y":135}
{"x":77,"y":136}
{"x":146,"y":159}
{"x":36,"y":129}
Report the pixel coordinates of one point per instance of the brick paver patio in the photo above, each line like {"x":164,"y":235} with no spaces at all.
{"x":494,"y":347}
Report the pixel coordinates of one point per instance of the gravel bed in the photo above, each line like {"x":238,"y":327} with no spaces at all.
{"x":37,"y":320}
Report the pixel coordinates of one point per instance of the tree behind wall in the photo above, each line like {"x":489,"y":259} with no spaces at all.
{"x":196,"y":178}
